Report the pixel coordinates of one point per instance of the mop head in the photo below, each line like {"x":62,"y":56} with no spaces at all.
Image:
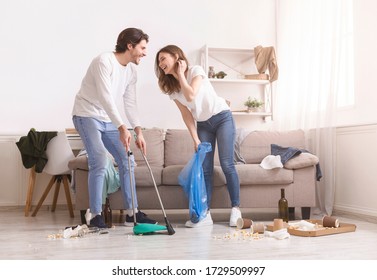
{"x":148,"y":228}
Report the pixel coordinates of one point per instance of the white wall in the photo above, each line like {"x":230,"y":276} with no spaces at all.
{"x":355,"y":176}
{"x":46,"y":47}
{"x":365,"y":59}
{"x":356,"y":187}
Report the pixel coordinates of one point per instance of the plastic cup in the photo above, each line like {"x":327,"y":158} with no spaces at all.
{"x":328,"y":221}
{"x":257,"y":228}
{"x":278,"y":224}
{"x":243,"y":223}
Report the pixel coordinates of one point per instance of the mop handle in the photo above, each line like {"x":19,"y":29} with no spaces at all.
{"x":129,"y":153}
{"x":154,"y":182}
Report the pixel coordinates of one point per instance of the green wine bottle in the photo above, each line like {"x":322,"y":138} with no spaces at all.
{"x":283,"y":207}
{"x":108,"y":213}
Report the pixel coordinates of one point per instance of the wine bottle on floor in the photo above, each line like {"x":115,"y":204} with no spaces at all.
{"x":108,"y":213}
{"x":283,"y":207}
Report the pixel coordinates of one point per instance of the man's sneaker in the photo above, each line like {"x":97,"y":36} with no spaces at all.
{"x":207,"y":221}
{"x":234,"y":216}
{"x":97,"y":221}
{"x":141,"y":218}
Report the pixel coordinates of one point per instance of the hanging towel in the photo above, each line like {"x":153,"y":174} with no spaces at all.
{"x":112,"y":181}
{"x":265,"y":59}
{"x":241,"y":134}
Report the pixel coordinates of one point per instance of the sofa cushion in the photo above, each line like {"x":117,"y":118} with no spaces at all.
{"x":253,"y":174}
{"x":257,"y":144}
{"x":301,"y":161}
{"x":179,"y":147}
{"x":154,"y":138}
{"x":143,"y":177}
{"x":170,"y":175}
{"x":80,"y":162}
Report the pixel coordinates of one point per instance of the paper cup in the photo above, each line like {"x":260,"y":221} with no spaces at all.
{"x":278,"y":224}
{"x":244,"y":223}
{"x":328,"y":221}
{"x":257,"y":228}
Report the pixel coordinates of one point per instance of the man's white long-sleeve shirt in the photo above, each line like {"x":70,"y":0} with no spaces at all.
{"x":106,"y":80}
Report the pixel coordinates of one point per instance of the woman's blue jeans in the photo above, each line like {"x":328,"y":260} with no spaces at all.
{"x":98,"y":138}
{"x":220,"y":128}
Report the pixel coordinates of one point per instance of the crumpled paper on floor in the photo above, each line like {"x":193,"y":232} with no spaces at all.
{"x":77,"y":231}
{"x":303,"y":225}
{"x":278,"y":234}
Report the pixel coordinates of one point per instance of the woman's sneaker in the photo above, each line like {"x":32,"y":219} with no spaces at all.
{"x":207,"y":221}
{"x":141,"y":218}
{"x":234,"y":216}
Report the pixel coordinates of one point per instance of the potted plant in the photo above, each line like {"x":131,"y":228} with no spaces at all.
{"x":253,"y":105}
{"x":220,"y":75}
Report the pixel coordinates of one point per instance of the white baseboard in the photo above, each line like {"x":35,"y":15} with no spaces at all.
{"x":356,"y":210}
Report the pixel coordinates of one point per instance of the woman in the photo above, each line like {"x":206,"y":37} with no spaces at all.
{"x":207,"y":117}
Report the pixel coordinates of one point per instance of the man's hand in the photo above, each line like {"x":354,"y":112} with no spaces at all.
{"x":125,"y":136}
{"x":140,"y":141}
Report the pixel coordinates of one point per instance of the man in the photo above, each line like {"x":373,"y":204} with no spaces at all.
{"x":99,"y":123}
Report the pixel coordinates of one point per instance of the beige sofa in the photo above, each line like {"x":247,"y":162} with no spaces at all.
{"x":168,"y":152}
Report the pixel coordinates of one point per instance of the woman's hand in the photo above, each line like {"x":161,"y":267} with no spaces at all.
{"x":196,"y":144}
{"x":181,"y":67}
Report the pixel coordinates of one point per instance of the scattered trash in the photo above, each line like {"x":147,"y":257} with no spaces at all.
{"x":77,"y":232}
{"x":240,"y":235}
{"x":278,"y":234}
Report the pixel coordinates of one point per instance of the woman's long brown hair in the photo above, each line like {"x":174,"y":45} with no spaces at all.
{"x":168,"y":83}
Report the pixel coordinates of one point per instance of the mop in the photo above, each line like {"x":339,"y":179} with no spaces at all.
{"x":147,"y":228}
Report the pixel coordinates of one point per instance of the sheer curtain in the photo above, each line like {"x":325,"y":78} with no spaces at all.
{"x":312,"y":47}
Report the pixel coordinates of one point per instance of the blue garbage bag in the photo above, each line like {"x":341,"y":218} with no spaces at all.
{"x":191,"y":178}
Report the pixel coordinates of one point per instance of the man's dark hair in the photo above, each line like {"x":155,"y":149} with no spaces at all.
{"x":129,"y":36}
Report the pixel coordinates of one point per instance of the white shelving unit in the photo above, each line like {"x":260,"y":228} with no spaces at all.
{"x":237,"y":63}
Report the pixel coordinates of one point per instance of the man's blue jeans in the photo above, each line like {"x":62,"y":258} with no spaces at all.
{"x":98,"y":138}
{"x":220,"y":128}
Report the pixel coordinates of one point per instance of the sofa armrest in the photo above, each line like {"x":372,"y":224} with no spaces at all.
{"x":79,"y":162}
{"x":301,"y":161}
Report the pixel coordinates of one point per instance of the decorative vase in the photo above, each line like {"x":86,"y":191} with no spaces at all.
{"x":211,"y":72}
{"x":253,"y":109}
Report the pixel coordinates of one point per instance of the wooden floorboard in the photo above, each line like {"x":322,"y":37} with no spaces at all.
{"x":26,"y":238}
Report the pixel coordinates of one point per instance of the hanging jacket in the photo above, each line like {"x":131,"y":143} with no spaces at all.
{"x":265,"y":59}
{"x":33,"y":148}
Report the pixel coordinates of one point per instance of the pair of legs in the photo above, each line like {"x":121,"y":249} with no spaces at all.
{"x":98,"y":138}
{"x":220,"y":128}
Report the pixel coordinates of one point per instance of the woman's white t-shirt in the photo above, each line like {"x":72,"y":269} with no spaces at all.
{"x":206,"y":103}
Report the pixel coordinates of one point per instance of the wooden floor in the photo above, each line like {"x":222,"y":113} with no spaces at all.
{"x":27,"y":238}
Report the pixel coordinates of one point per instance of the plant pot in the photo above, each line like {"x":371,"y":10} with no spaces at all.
{"x":253,"y":109}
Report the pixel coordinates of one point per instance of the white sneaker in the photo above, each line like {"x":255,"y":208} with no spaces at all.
{"x":207,"y":221}
{"x":88,"y":216}
{"x":234,"y":216}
